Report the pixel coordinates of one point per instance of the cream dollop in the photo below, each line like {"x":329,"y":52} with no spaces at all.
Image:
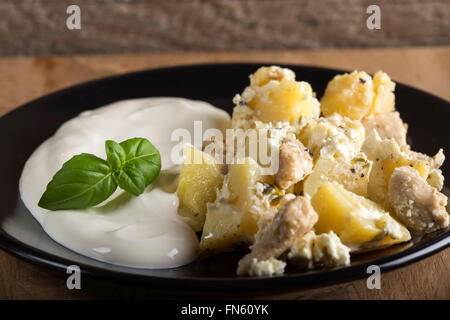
{"x":142,"y":231}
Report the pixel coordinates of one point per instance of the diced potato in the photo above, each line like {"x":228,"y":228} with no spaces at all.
{"x":284,"y":101}
{"x":276,"y":96}
{"x":361,"y":224}
{"x":263,"y":75}
{"x":349,"y":94}
{"x":386,"y":156}
{"x":384,"y":100}
{"x":222,"y":228}
{"x":197,"y":185}
{"x":352,"y":174}
{"x":233,"y":218}
{"x":356,"y":95}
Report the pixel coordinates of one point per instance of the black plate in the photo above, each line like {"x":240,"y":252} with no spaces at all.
{"x":23,"y":129}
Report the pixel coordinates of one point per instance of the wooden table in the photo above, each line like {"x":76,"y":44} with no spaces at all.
{"x":23,"y":79}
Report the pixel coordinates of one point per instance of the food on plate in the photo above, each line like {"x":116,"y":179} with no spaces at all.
{"x":352,"y":173}
{"x":295,"y":218}
{"x":332,"y":137}
{"x":360,"y":223}
{"x":314,"y":251}
{"x":388,"y":125}
{"x":294,"y":182}
{"x":86,"y":180}
{"x":339,"y":186}
{"x":197,"y":185}
{"x":357,"y":95}
{"x":415,"y":203}
{"x":295,"y":163}
{"x":274,"y":95}
{"x":142,"y":231}
{"x":244,"y":199}
{"x":386,"y":155}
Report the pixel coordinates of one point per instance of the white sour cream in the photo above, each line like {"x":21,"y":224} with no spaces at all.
{"x":142,"y":231}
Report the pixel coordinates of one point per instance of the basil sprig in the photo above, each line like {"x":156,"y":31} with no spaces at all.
{"x":87,"y":180}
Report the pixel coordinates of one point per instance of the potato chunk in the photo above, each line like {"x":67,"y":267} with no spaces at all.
{"x":360,"y":223}
{"x":233,"y":218}
{"x":353,"y":174}
{"x":383,"y":87}
{"x":355,"y":95}
{"x":197,"y":185}
{"x":276,"y":96}
{"x":351,"y":95}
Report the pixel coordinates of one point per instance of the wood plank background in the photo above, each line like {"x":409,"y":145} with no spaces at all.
{"x":38,"y":27}
{"x":23,"y":79}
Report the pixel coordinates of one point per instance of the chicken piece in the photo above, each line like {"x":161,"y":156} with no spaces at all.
{"x":294,"y":219}
{"x":417,"y":205}
{"x":388,"y":125}
{"x":295,"y":163}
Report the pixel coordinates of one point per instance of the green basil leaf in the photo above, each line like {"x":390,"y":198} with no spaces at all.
{"x":115,"y":155}
{"x":141,"y":166}
{"x":83,"y":181}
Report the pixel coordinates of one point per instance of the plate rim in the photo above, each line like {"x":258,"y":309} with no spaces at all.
{"x":285,"y":282}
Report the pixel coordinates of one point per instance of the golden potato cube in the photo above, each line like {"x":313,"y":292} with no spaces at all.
{"x":353,"y":174}
{"x":222,"y":229}
{"x":199,"y":179}
{"x":233,"y":218}
{"x":356,"y":95}
{"x":350,"y":94}
{"x":361,"y":224}
{"x":265,"y":74}
{"x":275,"y":96}
{"x":384,"y":100}
{"x":284,"y":101}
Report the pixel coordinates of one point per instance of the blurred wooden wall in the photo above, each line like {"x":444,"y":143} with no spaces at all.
{"x":38,"y":27}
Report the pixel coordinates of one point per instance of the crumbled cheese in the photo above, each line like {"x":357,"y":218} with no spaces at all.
{"x":276,"y":132}
{"x":376,"y":148}
{"x":259,"y":189}
{"x":267,"y":267}
{"x":332,"y":137}
{"x":243,"y":117}
{"x":326,"y":249}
